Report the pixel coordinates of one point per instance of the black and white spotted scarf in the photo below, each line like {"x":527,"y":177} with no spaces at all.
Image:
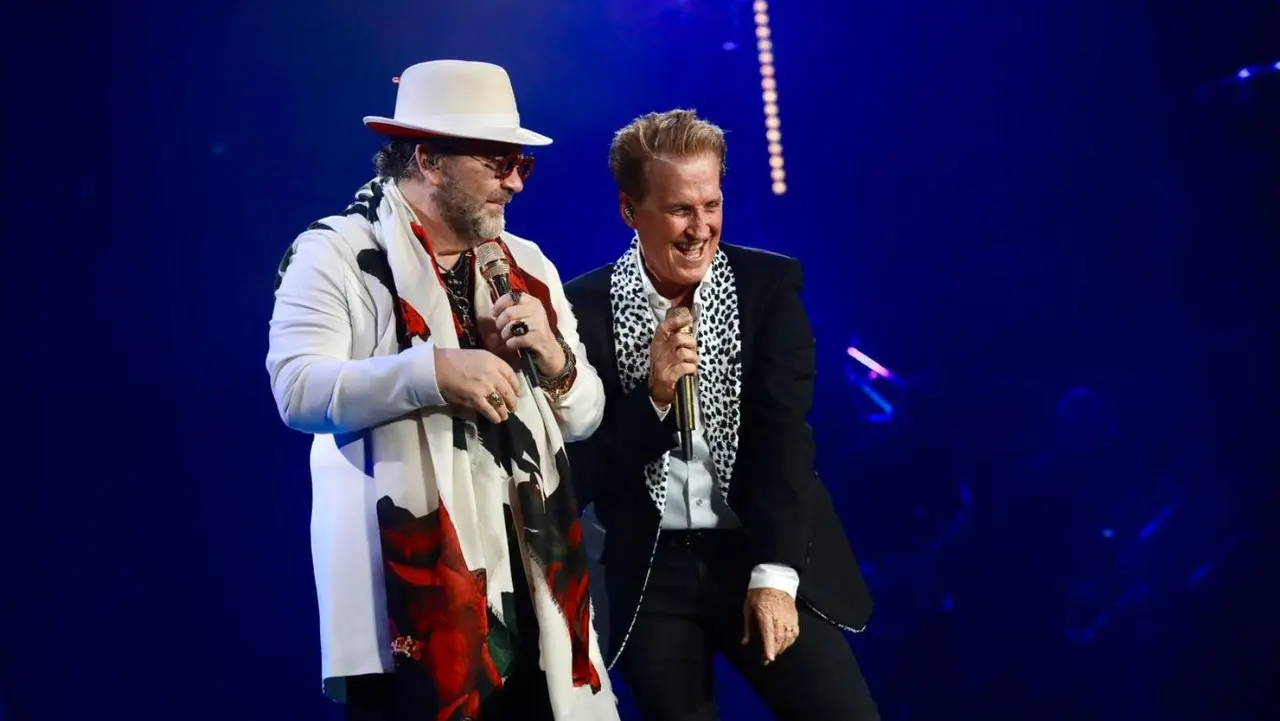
{"x":719,"y":336}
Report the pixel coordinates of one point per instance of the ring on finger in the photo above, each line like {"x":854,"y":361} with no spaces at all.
{"x":496,"y":400}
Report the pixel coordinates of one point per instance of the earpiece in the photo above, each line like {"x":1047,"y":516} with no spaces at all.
{"x":630,"y":212}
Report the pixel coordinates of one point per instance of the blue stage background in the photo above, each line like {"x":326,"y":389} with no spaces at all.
{"x":1023,"y":210}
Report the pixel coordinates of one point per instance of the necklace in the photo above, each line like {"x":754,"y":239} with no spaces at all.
{"x":459,"y":284}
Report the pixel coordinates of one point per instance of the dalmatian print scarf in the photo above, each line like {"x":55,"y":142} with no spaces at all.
{"x":719,"y":336}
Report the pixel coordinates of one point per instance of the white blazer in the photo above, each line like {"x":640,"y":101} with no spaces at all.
{"x":325,"y":327}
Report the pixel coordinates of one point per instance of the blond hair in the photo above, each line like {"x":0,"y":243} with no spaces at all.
{"x":673,"y":134}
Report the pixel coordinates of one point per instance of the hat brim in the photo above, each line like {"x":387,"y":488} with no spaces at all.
{"x":397,"y":128}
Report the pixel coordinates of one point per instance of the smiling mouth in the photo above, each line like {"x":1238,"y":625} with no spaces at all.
{"x":692,"y":249}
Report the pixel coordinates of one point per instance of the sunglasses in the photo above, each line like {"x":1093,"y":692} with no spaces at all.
{"x":515,"y":162}
{"x":502,"y":166}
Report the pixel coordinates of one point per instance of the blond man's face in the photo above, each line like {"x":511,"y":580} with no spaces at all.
{"x":679,"y":221}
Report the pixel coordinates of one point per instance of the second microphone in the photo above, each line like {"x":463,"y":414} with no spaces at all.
{"x":686,"y":392}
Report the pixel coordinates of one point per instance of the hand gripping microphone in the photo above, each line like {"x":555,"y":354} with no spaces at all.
{"x":492,"y":261}
{"x":686,"y":392}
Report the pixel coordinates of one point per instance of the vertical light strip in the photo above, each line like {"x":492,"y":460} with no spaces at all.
{"x":769,"y":86}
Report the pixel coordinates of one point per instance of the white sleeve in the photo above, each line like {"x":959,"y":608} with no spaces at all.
{"x":318,"y":387}
{"x":662,"y":412}
{"x":581,"y":408}
{"x":776,"y":576}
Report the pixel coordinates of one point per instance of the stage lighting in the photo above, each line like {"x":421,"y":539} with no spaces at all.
{"x":769,"y":86}
{"x":879,"y":388}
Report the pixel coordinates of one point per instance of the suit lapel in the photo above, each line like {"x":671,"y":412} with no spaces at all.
{"x":719,"y":360}
{"x":720,"y":369}
{"x":633,"y":329}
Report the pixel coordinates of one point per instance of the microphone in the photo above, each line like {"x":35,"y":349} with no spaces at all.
{"x":492,"y":262}
{"x":686,"y":393}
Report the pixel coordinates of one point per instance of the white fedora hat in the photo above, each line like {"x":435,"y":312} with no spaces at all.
{"x":459,"y":99}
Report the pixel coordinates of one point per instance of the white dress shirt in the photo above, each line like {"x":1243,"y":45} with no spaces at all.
{"x":693,"y":501}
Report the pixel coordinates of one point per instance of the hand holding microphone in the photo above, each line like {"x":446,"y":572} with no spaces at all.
{"x":522,"y":323}
{"x":673,"y":367}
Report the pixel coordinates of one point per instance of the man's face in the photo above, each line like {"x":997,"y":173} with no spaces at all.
{"x":471,"y":198}
{"x":679,"y":220}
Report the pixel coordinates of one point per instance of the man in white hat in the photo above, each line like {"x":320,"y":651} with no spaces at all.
{"x":449,"y":566}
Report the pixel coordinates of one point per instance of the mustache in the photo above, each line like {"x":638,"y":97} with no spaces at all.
{"x":503,"y":198}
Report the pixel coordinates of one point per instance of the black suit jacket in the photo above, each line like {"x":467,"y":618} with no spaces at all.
{"x":785,"y":509}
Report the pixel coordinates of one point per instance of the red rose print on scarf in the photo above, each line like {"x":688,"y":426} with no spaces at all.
{"x":438,"y":608}
{"x":415,"y":326}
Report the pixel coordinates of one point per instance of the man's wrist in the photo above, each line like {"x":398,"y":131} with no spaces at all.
{"x":660,"y":406}
{"x":551,"y":361}
{"x":661,"y":410}
{"x":776,"y":576}
{"x":559,"y":383}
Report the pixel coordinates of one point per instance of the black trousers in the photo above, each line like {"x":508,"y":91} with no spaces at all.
{"x":376,"y":697}
{"x":692,"y":610}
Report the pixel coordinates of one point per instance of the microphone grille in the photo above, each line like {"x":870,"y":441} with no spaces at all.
{"x":491,"y":260}
{"x":679,"y":312}
{"x":683,"y":314}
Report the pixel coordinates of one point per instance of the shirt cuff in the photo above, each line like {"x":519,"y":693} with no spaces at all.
{"x":775,"y":576}
{"x":662,"y":413}
{"x":423,"y":373}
